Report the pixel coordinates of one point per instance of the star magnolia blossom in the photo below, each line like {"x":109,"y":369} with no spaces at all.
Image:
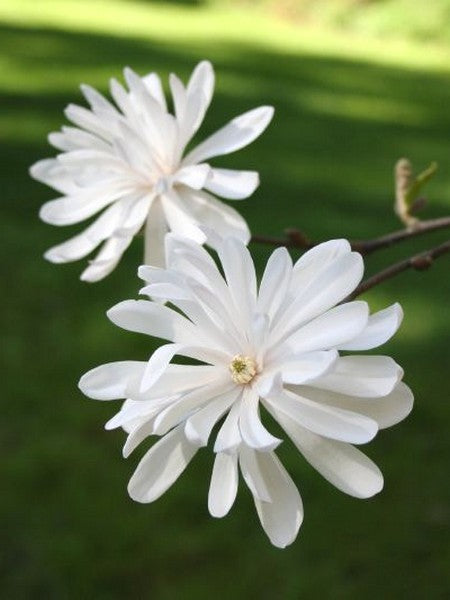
{"x":276,"y":348}
{"x":130,"y":161}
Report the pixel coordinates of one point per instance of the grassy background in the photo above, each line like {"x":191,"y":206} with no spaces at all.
{"x":347,"y":107}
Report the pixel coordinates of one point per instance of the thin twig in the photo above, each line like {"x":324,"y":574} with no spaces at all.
{"x":420,"y":262}
{"x":297,"y":239}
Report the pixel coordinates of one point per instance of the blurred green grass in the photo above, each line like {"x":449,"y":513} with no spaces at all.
{"x":347,"y":108}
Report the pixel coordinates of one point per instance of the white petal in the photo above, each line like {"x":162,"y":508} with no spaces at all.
{"x":240,"y":274}
{"x":253,"y":432}
{"x":160,"y":359}
{"x":112,"y":380}
{"x":331,"y":422}
{"x":155,"y":230}
{"x":52,"y":173}
{"x":213,"y":215}
{"x":76,"y":208}
{"x":238,"y":133}
{"x":336,"y":326}
{"x":341,"y":464}
{"x":107,"y":259}
{"x":136,"y":436}
{"x":309,"y":265}
{"x":224,"y":484}
{"x":281,"y":518}
{"x":179,"y":411}
{"x":305,"y":367}
{"x":275,"y":282}
{"x":229,"y":436}
{"x":161,"y":466}
{"x":152,"y":319}
{"x":380,"y":328}
{"x":153,"y":84}
{"x":82,"y":244}
{"x":193,"y":176}
{"x":199,"y":426}
{"x":365,"y":376}
{"x":232,"y":184}
{"x":251,"y":472}
{"x":319,"y":293}
{"x":386,"y":411}
{"x":84,"y":118}
{"x":179,"y":218}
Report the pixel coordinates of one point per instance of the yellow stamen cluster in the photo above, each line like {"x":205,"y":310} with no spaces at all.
{"x":242,"y":369}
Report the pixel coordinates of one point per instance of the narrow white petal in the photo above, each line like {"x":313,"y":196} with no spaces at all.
{"x":112,"y":380}
{"x":224,"y":484}
{"x":253,"y":432}
{"x":193,"y":176}
{"x":386,"y":411}
{"x":199,"y":426}
{"x":344,"y":466}
{"x":179,"y":411}
{"x":251,"y":472}
{"x":215,"y":216}
{"x":329,"y":421}
{"x":155,"y":230}
{"x":320,"y":292}
{"x":229,"y":436}
{"x":152,"y":82}
{"x":82,"y":244}
{"x":179,"y":218}
{"x":305,"y":367}
{"x":240,"y":274}
{"x":281,"y":518}
{"x":238,"y":133}
{"x":365,"y":376}
{"x":161,"y":466}
{"x":380,"y":328}
{"x":275,"y":282}
{"x":152,"y":319}
{"x":234,"y":185}
{"x":136,"y":436}
{"x":51,"y":172}
{"x":334,"y":327}
{"x":107,"y":259}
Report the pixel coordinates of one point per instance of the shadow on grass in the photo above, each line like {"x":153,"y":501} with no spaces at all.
{"x":326,"y":166}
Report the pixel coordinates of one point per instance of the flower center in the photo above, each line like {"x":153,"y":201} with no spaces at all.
{"x":242,"y":368}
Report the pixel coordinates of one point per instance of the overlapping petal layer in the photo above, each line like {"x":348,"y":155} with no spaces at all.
{"x":126,"y":159}
{"x":272,"y":350}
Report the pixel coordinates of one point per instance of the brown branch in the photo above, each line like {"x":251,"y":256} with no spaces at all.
{"x":420,"y":262}
{"x":294,"y":238}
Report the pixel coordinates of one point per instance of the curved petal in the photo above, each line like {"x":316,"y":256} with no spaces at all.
{"x":341,"y":464}
{"x":281,"y":518}
{"x":199,"y":426}
{"x":112,"y":380}
{"x":320,"y":292}
{"x":224,"y":484}
{"x":253,"y":432}
{"x":331,"y":422}
{"x":381,"y":326}
{"x":386,"y":411}
{"x":229,"y":437}
{"x":155,"y":230}
{"x":248,"y":462}
{"x":161,"y":466}
{"x":275,"y":282}
{"x":238,"y":133}
{"x":365,"y":376}
{"x":336,"y":326}
{"x":213,"y":215}
{"x":231,"y":184}
{"x":152,"y":319}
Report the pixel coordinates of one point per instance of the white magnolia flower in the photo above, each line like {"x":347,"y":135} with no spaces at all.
{"x":278,"y":349}
{"x":128,"y":159}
